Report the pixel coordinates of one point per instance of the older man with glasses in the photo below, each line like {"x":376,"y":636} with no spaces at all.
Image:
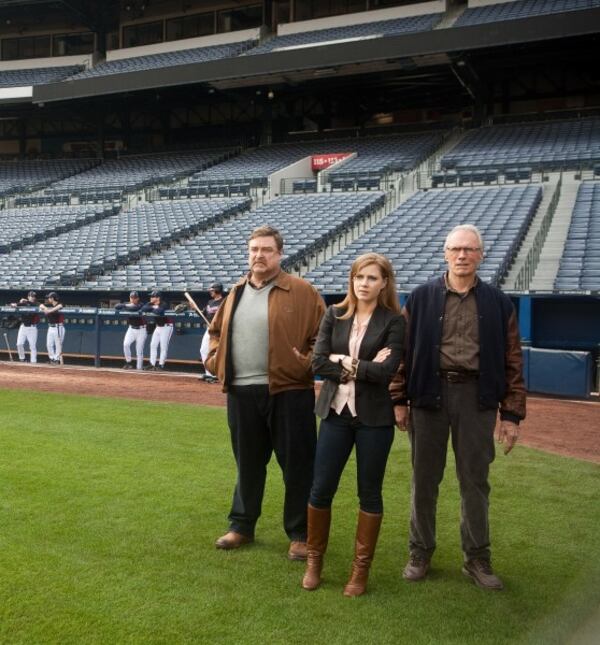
{"x":463,"y":364}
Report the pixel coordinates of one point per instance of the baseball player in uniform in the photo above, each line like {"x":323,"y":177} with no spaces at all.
{"x":56,"y":329}
{"x":162,"y":333}
{"x":216,"y":299}
{"x":136,"y":331}
{"x":28,"y":331}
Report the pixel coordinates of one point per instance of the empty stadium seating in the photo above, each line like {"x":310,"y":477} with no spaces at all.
{"x":36,"y":76}
{"x":254,"y":166}
{"x":167,"y":59}
{"x":580,"y":263}
{"x":521,"y":9}
{"x":378,"y":29}
{"x":22,"y":226}
{"x":412,"y":236}
{"x":375,"y":157}
{"x":378,"y":156}
{"x":130,"y":173}
{"x":20,"y":176}
{"x":71,"y":257}
{"x":307,"y":222}
{"x":551,"y":146}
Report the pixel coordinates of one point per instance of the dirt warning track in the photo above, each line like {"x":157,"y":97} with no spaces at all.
{"x":570,"y":428}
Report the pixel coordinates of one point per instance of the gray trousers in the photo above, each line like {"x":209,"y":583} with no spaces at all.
{"x":472,"y":431}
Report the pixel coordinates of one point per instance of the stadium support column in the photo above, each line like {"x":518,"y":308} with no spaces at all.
{"x":268,"y":15}
{"x":22,"y":132}
{"x":101,"y":135}
{"x":100,"y":43}
{"x":165,"y":125}
{"x":125,"y":118}
{"x":266,"y":135}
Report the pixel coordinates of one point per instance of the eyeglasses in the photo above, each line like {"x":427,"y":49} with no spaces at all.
{"x":467,"y":250}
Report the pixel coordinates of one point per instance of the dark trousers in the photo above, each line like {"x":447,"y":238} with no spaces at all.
{"x":472,"y":431}
{"x":337,"y":435}
{"x":261,"y":424}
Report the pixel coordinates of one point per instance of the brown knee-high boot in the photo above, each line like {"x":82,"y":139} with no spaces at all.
{"x":367,"y":533}
{"x":319,"y":520}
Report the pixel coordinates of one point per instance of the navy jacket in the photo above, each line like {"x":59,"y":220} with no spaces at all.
{"x":500,"y":357}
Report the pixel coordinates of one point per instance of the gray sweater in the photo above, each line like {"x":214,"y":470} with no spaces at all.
{"x":250,"y":337}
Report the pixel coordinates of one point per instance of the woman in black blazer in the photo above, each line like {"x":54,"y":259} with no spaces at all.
{"x":358,"y":350}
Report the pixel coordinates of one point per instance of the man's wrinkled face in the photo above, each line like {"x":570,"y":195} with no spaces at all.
{"x":463,"y":254}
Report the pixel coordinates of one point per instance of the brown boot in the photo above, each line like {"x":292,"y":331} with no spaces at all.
{"x":367,"y":533}
{"x":319,"y":520}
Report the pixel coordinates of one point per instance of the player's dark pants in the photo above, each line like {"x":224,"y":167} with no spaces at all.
{"x":261,"y":423}
{"x":472,"y":432}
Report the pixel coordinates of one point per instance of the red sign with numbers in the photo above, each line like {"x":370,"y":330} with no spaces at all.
{"x":320,"y":162}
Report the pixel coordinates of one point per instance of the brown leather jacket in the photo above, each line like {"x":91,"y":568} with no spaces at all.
{"x":295,"y":312}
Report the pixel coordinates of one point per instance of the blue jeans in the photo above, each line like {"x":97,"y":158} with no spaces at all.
{"x":337,"y":435}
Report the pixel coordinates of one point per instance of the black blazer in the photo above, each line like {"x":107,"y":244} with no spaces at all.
{"x":373,"y":400}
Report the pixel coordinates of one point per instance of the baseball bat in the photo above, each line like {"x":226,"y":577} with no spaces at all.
{"x":196,"y":308}
{"x":8,"y":347}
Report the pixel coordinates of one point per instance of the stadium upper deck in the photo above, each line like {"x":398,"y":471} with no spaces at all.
{"x":400,"y":37}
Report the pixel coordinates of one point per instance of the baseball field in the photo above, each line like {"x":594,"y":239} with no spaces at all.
{"x":109,"y":507}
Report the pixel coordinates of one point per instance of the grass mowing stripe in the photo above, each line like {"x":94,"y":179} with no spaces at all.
{"x":109,"y":510}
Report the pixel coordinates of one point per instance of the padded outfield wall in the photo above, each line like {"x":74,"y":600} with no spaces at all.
{"x":566,"y":322}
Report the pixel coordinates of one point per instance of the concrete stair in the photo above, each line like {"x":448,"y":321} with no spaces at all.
{"x":549,"y":188}
{"x":547,"y":268}
{"x":420,"y":177}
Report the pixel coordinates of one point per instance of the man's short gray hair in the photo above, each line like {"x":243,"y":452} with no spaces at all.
{"x":466,"y":227}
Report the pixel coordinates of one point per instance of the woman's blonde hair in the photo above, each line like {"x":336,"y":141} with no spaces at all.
{"x":388,"y":298}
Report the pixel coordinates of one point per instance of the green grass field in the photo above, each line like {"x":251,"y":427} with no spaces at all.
{"x":109,"y":510}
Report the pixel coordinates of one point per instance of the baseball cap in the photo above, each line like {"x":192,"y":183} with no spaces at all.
{"x":52,"y":295}
{"x":216,"y":286}
{"x":155,"y":294}
{"x":134,"y":294}
{"x":32,"y":294}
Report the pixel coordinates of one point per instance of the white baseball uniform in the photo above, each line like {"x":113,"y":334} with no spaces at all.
{"x":160,"y":338}
{"x":137,"y":336}
{"x":29,"y":334}
{"x":55,"y":339}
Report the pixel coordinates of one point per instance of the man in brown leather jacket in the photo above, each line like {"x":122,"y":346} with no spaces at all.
{"x":261,"y":342}
{"x":463,"y":363}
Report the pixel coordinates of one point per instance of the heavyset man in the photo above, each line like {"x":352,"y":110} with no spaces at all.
{"x":463,"y":362}
{"x":261,"y":341}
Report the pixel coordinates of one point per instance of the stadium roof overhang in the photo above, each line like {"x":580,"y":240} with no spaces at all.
{"x":404,"y":54}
